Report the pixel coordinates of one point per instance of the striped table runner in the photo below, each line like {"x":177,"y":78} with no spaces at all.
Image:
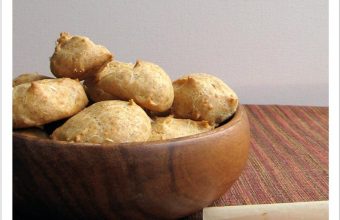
{"x":288,"y":158}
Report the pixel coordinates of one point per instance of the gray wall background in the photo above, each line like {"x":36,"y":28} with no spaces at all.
{"x":268,"y":51}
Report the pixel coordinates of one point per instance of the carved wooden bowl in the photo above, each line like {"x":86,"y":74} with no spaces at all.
{"x":153,"y":180}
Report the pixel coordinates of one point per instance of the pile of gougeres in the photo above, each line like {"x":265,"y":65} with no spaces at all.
{"x":129,"y":102}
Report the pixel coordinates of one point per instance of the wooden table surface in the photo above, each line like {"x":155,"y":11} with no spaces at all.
{"x":288,"y":159}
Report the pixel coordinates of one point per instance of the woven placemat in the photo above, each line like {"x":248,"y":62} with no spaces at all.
{"x":288,"y":158}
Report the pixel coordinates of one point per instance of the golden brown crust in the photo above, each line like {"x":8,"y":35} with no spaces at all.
{"x":28,"y":77}
{"x":164,"y":128}
{"x":107,"y":122}
{"x":146,"y":83}
{"x":44,"y":101}
{"x":201,"y":96}
{"x":95,"y":93}
{"x":77,"y":57}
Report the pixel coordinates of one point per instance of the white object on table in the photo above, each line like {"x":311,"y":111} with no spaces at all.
{"x":316,"y":210}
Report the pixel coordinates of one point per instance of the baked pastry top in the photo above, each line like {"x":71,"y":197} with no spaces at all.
{"x":28,"y":77}
{"x":106,"y":122}
{"x":144,"y":82}
{"x":164,"y":128}
{"x":43,"y":101}
{"x":77,"y":57}
{"x":200,"y":96}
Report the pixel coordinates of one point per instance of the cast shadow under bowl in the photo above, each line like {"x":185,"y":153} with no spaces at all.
{"x":150,"y":180}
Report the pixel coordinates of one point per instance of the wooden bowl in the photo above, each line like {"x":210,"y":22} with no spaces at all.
{"x":152,"y":180}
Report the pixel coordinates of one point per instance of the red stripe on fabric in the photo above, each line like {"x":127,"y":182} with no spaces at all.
{"x":288,"y":157}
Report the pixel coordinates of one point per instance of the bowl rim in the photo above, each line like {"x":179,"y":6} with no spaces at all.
{"x":236,"y":118}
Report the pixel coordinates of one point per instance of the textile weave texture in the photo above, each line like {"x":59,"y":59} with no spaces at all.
{"x":288,"y":157}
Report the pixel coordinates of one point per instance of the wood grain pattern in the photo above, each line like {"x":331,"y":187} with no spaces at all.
{"x":154,"y":180}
